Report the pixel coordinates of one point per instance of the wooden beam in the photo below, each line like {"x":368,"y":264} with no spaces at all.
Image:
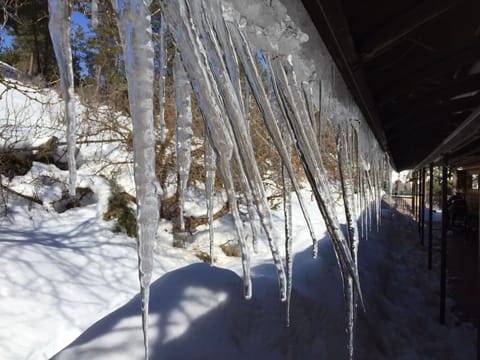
{"x":407,"y":78}
{"x":466,"y":132}
{"x":433,"y":111}
{"x":445,"y":90}
{"x":467,"y":153}
{"x":397,"y":29}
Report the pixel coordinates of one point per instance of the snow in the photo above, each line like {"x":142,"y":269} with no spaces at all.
{"x":197,"y":311}
{"x":59,"y":274}
{"x":29,"y":116}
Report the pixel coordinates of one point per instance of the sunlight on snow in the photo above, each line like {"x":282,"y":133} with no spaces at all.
{"x":195,"y":302}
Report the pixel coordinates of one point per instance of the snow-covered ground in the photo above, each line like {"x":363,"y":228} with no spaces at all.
{"x":66,"y":275}
{"x":64,"y":272}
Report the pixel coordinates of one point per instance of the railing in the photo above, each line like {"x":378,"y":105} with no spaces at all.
{"x":403,"y":201}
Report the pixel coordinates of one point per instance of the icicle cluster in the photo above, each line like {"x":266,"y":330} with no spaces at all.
{"x":212,"y":46}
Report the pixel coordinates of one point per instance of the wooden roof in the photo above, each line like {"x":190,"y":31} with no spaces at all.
{"x":414,"y":69}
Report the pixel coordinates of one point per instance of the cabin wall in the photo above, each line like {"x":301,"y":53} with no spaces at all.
{"x":468,"y":183}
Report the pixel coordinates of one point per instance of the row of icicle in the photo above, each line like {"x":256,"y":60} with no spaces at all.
{"x":211,"y":51}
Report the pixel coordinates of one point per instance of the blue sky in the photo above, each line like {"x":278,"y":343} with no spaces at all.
{"x":77,"y":19}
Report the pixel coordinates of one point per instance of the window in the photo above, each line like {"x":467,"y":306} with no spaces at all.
{"x":475,"y":181}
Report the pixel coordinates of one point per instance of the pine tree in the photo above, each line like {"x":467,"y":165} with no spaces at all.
{"x":103,"y":59}
{"x":27,"y":21}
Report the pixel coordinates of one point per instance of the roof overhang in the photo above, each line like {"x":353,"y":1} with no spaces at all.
{"x":413,"y":69}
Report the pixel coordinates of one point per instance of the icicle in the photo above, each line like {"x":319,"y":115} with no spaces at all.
{"x":162,"y":125}
{"x":210,"y":170}
{"x":94,"y":14}
{"x":308,"y":149}
{"x":247,"y":103}
{"x":59,"y":27}
{"x":182,"y":90}
{"x":371,"y":197}
{"x":235,"y":114}
{"x":195,"y":61}
{"x":378,"y":194}
{"x":250,"y":206}
{"x":223,"y":43}
{"x":366,"y":204}
{"x":322,"y":124}
{"x":308,"y":98}
{"x":346,"y":178}
{"x":245,"y":55}
{"x":287,"y":211}
{"x":135,"y":32}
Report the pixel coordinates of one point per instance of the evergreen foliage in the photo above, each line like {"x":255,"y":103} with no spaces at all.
{"x":32,"y":49}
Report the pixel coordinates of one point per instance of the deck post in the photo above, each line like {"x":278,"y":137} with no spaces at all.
{"x":422,"y":210}
{"x":443,"y":257}
{"x":419,"y":210}
{"x":478,"y":281}
{"x":430,"y":216}
{"x":414,"y":189}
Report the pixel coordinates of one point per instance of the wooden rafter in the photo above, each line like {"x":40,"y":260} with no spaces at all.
{"x":409,"y":77}
{"x":467,"y":132}
{"x":435,"y":94}
{"x":399,"y":28}
{"x":433,"y":110}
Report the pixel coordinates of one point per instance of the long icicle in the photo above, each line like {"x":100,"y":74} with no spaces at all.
{"x":251,"y":207}
{"x":245,"y":54}
{"x":346,"y":180}
{"x":94,"y":14}
{"x":287,"y":211}
{"x":245,"y":149}
{"x":135,"y":32}
{"x":195,"y":61}
{"x":308,"y":149}
{"x":219,"y":70}
{"x":59,"y":27}
{"x":162,"y":125}
{"x":210,"y":169}
{"x":182,"y":91}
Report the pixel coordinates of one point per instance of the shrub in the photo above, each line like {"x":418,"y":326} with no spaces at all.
{"x":120,"y":209}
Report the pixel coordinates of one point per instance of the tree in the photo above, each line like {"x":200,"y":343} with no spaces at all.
{"x":27,"y":21}
{"x":102,"y":56}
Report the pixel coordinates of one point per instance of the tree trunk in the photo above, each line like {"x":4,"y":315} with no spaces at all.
{"x":30,"y":65}
{"x":36,"y":46}
{"x":97,"y":81}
